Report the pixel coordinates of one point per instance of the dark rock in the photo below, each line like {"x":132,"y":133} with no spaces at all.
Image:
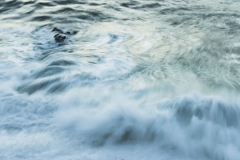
{"x":59,"y":38}
{"x":57,"y":30}
{"x":68,"y":33}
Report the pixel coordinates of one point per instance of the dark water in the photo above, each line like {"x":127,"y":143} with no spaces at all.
{"x":132,"y":80}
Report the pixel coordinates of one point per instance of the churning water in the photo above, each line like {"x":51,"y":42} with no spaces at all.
{"x":133,"y":80}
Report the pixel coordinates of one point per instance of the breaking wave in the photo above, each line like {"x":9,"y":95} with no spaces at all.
{"x":130,"y":80}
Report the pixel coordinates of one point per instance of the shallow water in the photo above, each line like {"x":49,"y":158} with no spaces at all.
{"x":134,"y":80}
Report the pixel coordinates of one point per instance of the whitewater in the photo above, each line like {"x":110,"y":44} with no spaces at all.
{"x":133,"y":80}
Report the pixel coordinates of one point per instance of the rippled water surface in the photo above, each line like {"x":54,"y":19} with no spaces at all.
{"x":132,"y":80}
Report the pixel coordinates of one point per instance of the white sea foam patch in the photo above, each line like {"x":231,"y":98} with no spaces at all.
{"x":194,"y":125}
{"x":16,"y":41}
{"x":24,"y":141}
{"x":59,"y":72}
{"x":24,"y":126}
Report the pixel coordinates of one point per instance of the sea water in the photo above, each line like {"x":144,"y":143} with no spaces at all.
{"x":137,"y":80}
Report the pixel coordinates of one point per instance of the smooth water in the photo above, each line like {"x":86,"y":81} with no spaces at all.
{"x":135,"y":80}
